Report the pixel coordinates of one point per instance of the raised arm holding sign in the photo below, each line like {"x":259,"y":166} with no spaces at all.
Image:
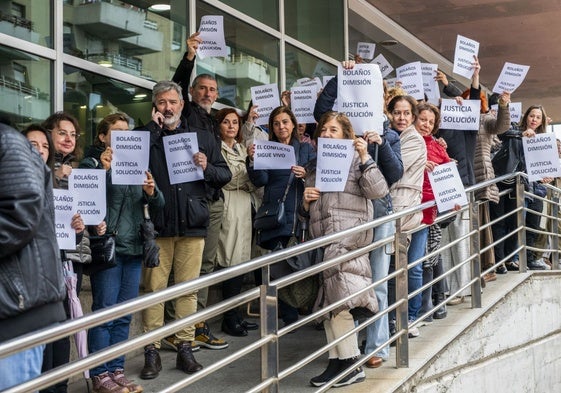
{"x":361,"y":95}
{"x":212,"y":35}
{"x":465,"y":51}
{"x":512,"y":76}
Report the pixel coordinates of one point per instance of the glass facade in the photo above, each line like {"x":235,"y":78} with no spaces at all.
{"x":317,"y":25}
{"x":90,"y":97}
{"x":266,"y":11}
{"x":103,"y":56}
{"x":125,"y":37}
{"x":33,"y":24}
{"x":25,"y":87}
{"x":300,"y":64}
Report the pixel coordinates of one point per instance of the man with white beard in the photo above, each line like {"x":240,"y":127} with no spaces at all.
{"x":182,"y":225}
{"x":197,"y":111}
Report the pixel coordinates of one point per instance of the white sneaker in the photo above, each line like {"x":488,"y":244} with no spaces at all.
{"x":356,"y":376}
{"x":413,"y":331}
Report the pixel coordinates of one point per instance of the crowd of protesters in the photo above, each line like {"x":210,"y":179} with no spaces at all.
{"x":206,"y":225}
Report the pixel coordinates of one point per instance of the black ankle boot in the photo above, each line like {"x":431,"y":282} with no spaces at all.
{"x":233,"y":327}
{"x":152,"y":363}
{"x":441,"y":313}
{"x":185,"y":360}
{"x":249,"y":325}
{"x":330,"y":372}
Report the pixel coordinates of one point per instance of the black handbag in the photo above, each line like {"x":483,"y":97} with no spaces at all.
{"x":103,"y":252}
{"x":271,"y":215}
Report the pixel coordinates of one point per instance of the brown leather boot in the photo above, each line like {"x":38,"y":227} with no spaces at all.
{"x":185,"y":360}
{"x":152,"y":363}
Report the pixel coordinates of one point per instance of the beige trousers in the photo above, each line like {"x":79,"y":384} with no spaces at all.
{"x":184,"y":256}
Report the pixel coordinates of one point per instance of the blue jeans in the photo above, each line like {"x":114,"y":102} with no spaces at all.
{"x":21,"y":367}
{"x":378,"y":332}
{"x":110,"y":287}
{"x":417,"y":250}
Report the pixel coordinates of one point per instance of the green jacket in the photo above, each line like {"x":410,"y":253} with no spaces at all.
{"x":124,"y":207}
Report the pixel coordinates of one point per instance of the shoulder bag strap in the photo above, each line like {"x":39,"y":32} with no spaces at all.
{"x":290,"y":180}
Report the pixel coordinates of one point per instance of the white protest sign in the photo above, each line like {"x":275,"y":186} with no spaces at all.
{"x":510,"y":78}
{"x":179,"y":150}
{"x":430,"y":85}
{"x":88,"y":186}
{"x":384,"y":64}
{"x":515,"y":111}
{"x":64,"y":210}
{"x":266,"y":97}
{"x":365,"y":50}
{"x":212,"y":34}
{"x":542,"y":160}
{"x":391,"y":82}
{"x":273,"y":155}
{"x":454,"y":116}
{"x":302,"y":101}
{"x":131,"y":153}
{"x":411,"y":77}
{"x":334,"y":160}
{"x":315,"y":81}
{"x":447,"y":187}
{"x":463,"y":56}
{"x":360,"y":96}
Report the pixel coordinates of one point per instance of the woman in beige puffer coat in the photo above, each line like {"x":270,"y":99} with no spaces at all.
{"x":331,"y":212}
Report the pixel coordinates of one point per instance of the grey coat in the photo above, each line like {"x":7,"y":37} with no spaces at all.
{"x":337,"y":211}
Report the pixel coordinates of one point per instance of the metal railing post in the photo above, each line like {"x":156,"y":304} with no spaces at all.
{"x":554,"y":258}
{"x":521,"y":222}
{"x":474,"y":249}
{"x":401,"y":292}
{"x":268,"y":308}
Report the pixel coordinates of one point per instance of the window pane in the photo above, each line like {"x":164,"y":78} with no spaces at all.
{"x":317,"y":25}
{"x":18,"y":19}
{"x":90,"y":97}
{"x":25,"y":87}
{"x":126,"y":36}
{"x":266,"y":11}
{"x":253,"y":59}
{"x":300,"y":64}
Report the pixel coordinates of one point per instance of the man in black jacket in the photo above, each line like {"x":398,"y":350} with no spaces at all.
{"x":197,"y":111}
{"x":31,"y":279}
{"x":182,"y":225}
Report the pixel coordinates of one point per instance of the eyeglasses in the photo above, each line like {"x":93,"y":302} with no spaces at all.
{"x":64,"y":133}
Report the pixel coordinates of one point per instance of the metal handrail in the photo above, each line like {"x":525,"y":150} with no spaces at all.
{"x":267,"y":294}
